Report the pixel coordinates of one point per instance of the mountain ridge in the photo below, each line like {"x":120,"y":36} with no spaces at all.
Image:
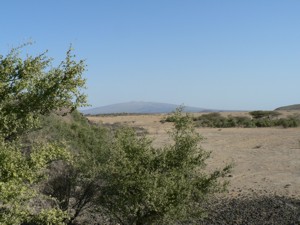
{"x":140,"y":107}
{"x":289,"y":107}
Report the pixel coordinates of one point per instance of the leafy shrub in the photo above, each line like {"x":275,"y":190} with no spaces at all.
{"x":219,"y":121}
{"x":291,"y":121}
{"x":31,"y":87}
{"x":144,"y":185}
{"x":210,"y":120}
{"x":19,"y":175}
{"x":169,"y":118}
{"x":243,"y":121}
{"x":119,"y":175}
{"x":259,"y":114}
{"x":73,"y":186}
{"x":260,"y":119}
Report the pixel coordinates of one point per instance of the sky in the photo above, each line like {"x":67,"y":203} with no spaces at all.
{"x":215,"y":54}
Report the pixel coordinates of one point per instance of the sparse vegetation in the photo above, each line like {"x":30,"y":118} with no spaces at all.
{"x":259,"y":114}
{"x":55,"y":169}
{"x":74,"y":186}
{"x":58,"y":168}
{"x":257,"y":119}
{"x":117,"y":164}
{"x":144,"y":185}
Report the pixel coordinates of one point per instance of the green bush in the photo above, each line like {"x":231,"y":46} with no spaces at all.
{"x":119,"y":175}
{"x":260,"y":119}
{"x":210,"y":120}
{"x":19,"y":175}
{"x":145,"y":185}
{"x":291,"y":121}
{"x":169,"y":119}
{"x":219,"y":121}
{"x":73,"y":186}
{"x":259,"y":114}
{"x":263,"y":122}
{"x":31,"y":87}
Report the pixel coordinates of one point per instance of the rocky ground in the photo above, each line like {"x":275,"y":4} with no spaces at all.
{"x":253,"y":210}
{"x":249,"y":209}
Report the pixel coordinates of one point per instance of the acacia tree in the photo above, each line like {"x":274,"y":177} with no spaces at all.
{"x":30,"y":87}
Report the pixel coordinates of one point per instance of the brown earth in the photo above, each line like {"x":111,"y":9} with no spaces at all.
{"x":266,"y":160}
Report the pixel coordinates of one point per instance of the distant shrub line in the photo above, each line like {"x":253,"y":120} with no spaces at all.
{"x":118,"y":114}
{"x":255,"y":119}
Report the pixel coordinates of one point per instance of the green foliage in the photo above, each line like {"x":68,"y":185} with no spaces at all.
{"x":290,"y":121}
{"x":74,"y":186}
{"x":31,"y":86}
{"x":219,"y":121}
{"x":211,"y":120}
{"x":259,"y":114}
{"x":74,"y":130}
{"x":260,"y":119}
{"x":19,"y":175}
{"x":169,"y":119}
{"x":144,"y":185}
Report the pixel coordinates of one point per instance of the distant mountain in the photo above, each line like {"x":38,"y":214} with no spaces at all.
{"x":289,"y":107}
{"x":140,"y":108}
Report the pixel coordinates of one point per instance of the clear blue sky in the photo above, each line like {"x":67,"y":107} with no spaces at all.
{"x":216,"y":54}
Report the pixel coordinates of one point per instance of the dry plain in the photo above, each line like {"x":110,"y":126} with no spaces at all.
{"x":266,"y":160}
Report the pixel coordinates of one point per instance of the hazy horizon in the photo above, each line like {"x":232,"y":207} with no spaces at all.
{"x":181,"y":104}
{"x":231,"y":55}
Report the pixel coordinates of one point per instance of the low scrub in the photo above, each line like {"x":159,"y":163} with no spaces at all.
{"x":147,"y":185}
{"x":259,"y":114}
{"x":255,"y":119}
{"x":119,"y":176}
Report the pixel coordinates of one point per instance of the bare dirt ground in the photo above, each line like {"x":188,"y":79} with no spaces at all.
{"x":266,"y":160}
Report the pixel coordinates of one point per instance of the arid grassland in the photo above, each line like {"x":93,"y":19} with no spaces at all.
{"x":264,"y":186}
{"x":266,"y":160}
